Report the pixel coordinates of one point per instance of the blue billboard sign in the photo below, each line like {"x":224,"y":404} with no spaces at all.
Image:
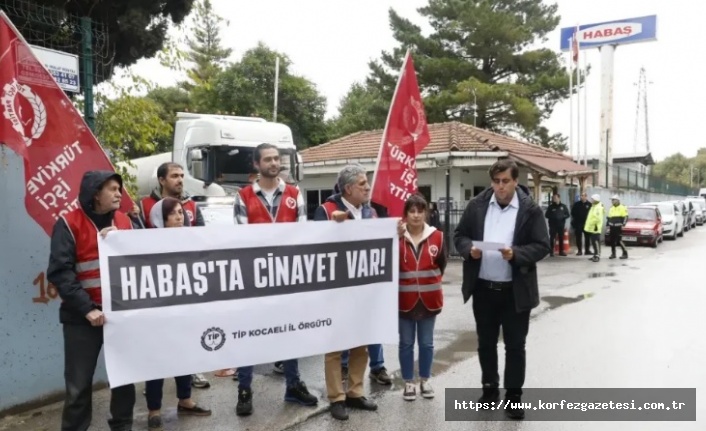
{"x":619,"y":32}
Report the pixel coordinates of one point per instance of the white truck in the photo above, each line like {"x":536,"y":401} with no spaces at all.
{"x":216,"y":153}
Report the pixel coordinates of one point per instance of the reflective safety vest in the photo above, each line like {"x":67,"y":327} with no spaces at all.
{"x":85,"y":236}
{"x":331,"y":206}
{"x":287,"y":211}
{"x":420,"y":277}
{"x":147,"y":203}
{"x":617,"y":215}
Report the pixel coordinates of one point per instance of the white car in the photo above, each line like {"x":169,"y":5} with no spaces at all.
{"x":672,"y":221}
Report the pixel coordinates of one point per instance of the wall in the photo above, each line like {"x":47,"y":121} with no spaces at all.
{"x":31,"y":342}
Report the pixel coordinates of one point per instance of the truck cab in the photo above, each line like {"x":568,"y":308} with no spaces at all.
{"x":216,"y":152}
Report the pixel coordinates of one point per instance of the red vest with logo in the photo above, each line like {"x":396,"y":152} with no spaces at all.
{"x":330,"y":207}
{"x":85,"y":236}
{"x":420,"y":278}
{"x":147,"y":203}
{"x":287,"y":211}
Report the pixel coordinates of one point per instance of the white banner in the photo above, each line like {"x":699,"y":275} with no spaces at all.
{"x":180,"y":301}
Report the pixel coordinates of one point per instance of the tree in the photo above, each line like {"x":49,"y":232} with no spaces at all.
{"x":247,"y":88}
{"x":206,"y":55}
{"x":362,"y":108}
{"x":170,"y":100}
{"x":123,"y":30}
{"x":484,"y":51}
{"x":541,"y":136}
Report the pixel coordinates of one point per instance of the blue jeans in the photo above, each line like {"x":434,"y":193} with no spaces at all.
{"x":291,"y":374}
{"x":376,"y":358}
{"x":153,"y":391}
{"x":425,"y":337}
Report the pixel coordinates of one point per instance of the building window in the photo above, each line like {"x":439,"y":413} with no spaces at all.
{"x":425,"y":191}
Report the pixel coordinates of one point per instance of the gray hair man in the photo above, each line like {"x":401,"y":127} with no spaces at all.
{"x":351,"y":203}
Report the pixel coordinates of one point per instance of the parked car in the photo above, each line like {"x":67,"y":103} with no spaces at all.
{"x":686,"y":218}
{"x":699,"y":209}
{"x":644,"y":226}
{"x":672,"y":219}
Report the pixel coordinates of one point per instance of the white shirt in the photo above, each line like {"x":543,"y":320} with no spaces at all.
{"x":356,"y":212}
{"x":269,"y":195}
{"x":499,"y":227}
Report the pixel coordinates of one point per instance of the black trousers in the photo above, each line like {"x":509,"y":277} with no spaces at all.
{"x":82,"y":345}
{"x":616,"y":239}
{"x":556,"y":233}
{"x":495,"y":309}
{"x":581,"y":238}
{"x":596,"y":244}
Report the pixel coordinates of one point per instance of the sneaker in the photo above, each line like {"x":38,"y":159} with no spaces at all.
{"x":244,"y":406}
{"x":300,"y":394}
{"x":410,"y":392}
{"x":381,"y":376}
{"x":426,"y":389}
{"x":199,"y":381}
{"x":154,"y":422}
{"x":279,"y":367}
{"x":344,"y":374}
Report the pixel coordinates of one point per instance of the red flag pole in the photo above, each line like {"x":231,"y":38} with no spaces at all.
{"x":387,"y":122}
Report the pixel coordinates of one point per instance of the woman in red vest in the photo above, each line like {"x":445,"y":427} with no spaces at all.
{"x":422,"y":264}
{"x":169,"y":212}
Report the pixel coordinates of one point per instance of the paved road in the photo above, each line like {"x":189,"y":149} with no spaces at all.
{"x":609,"y":324}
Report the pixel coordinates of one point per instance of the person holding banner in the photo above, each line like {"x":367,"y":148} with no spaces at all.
{"x":350,"y":204}
{"x":502,"y":281}
{"x":270,"y":200}
{"x":169,"y":212}
{"x":422,"y":265}
{"x":171,"y":184}
{"x":75,"y":271}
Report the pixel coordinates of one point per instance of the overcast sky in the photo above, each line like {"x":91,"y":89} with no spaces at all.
{"x":331,"y":42}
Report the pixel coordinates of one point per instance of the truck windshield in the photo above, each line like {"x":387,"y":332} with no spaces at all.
{"x":234,"y":165}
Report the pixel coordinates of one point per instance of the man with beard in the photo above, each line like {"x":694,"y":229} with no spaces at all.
{"x":270,"y":200}
{"x":171,"y":184}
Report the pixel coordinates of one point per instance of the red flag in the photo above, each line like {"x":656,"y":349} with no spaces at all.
{"x":41,"y":125}
{"x":575,"y":45}
{"x":406,"y":135}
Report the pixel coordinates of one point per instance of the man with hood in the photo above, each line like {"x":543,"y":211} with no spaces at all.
{"x":617,"y":218}
{"x":171,"y":184}
{"x":350,"y":204}
{"x":503,"y":283}
{"x":594,"y":225}
{"x":75,"y":271}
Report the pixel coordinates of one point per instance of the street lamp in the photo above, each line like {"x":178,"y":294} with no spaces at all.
{"x":475,"y":106}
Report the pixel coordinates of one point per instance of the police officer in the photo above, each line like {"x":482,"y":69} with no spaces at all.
{"x":617,"y":217}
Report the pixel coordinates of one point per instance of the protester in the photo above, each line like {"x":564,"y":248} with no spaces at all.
{"x":75,"y":271}
{"x":171,"y":184}
{"x":422,"y":265}
{"x":503,"y":283}
{"x":594,"y":225}
{"x":617,"y":218}
{"x":169,"y":213}
{"x":270,"y":200}
{"x":434,"y":216}
{"x":350,"y":204}
{"x":579,"y":213}
{"x":556,"y":214}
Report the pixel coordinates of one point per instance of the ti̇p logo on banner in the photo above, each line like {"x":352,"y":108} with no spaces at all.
{"x":25,"y":110}
{"x":213,"y":339}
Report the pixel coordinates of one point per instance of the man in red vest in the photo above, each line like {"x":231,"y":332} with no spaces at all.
{"x":171,"y":184}
{"x":270,"y":200}
{"x":75,"y":271}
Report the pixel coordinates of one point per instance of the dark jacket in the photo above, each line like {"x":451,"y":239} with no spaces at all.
{"x":320,"y":214}
{"x":579,"y":214}
{"x":435,"y":219}
{"x":61,"y":271}
{"x":530,"y":245}
{"x":557,"y":214}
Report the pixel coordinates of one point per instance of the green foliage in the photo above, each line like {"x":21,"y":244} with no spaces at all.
{"x":479,"y":52}
{"x":683,"y":170}
{"x":247,"y":88}
{"x":362,"y":108}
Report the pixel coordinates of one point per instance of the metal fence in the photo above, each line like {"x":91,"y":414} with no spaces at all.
{"x":625,"y":178}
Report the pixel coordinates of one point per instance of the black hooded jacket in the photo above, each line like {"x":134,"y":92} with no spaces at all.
{"x":530,"y":245}
{"x":62,"y":258}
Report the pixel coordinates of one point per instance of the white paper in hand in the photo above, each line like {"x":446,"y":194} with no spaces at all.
{"x":488,"y":246}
